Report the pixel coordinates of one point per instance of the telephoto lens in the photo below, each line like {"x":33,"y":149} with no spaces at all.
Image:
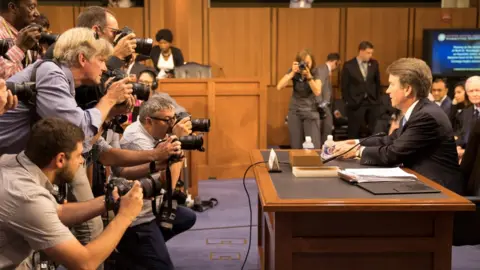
{"x":24,"y":91}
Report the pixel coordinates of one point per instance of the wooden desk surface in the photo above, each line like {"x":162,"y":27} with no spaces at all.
{"x":273,"y":202}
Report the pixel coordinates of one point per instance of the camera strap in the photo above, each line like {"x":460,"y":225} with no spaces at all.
{"x":33,"y":101}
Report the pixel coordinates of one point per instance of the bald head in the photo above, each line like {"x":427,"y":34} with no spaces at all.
{"x":472,"y":87}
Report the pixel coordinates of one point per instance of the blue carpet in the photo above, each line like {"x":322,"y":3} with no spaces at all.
{"x":219,"y":239}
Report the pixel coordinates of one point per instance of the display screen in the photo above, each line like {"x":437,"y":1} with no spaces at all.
{"x":451,"y":52}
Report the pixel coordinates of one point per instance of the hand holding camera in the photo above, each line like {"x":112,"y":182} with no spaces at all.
{"x":7,"y":99}
{"x":120,"y":91}
{"x":295,"y":69}
{"x":125,"y":46}
{"x":28,"y":37}
{"x":183,"y":127}
{"x":168,"y":148}
{"x":131,"y":203}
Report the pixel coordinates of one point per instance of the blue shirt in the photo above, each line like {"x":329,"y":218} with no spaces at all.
{"x":55,"y":98}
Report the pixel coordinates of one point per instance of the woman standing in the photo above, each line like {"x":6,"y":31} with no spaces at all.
{"x":303,"y":117}
{"x":165,"y":57}
{"x":459,"y":103}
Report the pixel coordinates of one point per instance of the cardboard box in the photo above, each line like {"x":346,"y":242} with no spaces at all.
{"x":304,"y":158}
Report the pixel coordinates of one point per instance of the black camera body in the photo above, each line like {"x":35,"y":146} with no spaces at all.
{"x":47,"y":38}
{"x":322,"y":108}
{"x":141,"y":91}
{"x":144,"y":45}
{"x":198,"y":125}
{"x":302,"y":65}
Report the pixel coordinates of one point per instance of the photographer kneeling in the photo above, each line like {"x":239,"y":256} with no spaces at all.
{"x":144,"y":242}
{"x":30,"y":218}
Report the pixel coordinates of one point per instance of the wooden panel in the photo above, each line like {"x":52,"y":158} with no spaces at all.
{"x":426,"y":18}
{"x":61,"y":18}
{"x":277,"y":130}
{"x":240,"y":42}
{"x":315,"y":29}
{"x":389,"y":37}
{"x":131,"y":17}
{"x":156,"y":16}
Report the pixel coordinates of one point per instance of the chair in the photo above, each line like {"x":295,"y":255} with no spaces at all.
{"x":340,"y":129}
{"x":193,"y":70}
{"x":466,"y":226}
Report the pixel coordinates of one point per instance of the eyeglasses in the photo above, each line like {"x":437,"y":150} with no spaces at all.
{"x":169,"y":121}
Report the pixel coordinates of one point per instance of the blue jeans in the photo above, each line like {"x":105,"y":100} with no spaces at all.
{"x":143,"y":246}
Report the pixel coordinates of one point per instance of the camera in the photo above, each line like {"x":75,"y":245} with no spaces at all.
{"x":322,"y":108}
{"x":198,"y":125}
{"x":46,"y":38}
{"x":140,"y":90}
{"x":5,"y":46}
{"x":144,"y":45}
{"x":302,"y":65}
{"x":191,"y":142}
{"x":151,"y":187}
{"x":24,"y":91}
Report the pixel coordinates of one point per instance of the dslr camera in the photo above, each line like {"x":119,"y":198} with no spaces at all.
{"x":144,"y":45}
{"x":24,"y":91}
{"x":194,"y":142}
{"x":322,"y":108}
{"x":142,"y":91}
{"x":302,"y":65}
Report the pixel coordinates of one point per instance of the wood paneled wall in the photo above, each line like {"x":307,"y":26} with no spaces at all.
{"x":261,"y":43}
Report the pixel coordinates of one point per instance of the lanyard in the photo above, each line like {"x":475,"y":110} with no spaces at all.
{"x":9,"y":30}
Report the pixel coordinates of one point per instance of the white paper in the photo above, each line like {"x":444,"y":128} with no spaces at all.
{"x":381,"y":175}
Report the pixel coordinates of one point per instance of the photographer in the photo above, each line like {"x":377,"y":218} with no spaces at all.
{"x":30,"y":218}
{"x":15,"y":15}
{"x":157,"y":119}
{"x":303,"y":116}
{"x":7,"y":99}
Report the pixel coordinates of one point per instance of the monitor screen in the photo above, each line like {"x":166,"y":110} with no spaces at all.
{"x":452,"y":52}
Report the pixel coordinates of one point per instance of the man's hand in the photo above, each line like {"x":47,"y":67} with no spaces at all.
{"x":166,"y":149}
{"x":28,"y":37}
{"x":460,"y":152}
{"x":125,"y":47}
{"x":183,"y":128}
{"x":123,"y":108}
{"x":343,"y":147}
{"x":120,"y":91}
{"x":132,"y":202}
{"x":7,"y":99}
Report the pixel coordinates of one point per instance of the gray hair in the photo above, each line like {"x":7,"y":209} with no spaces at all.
{"x":154,"y":104}
{"x":470,"y":81}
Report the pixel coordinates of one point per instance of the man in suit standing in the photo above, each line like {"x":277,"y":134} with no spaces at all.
{"x":439,"y":93}
{"x":325,"y":98}
{"x":361,"y":90}
{"x":424,"y":141}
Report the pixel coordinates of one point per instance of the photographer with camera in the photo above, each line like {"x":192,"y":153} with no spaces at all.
{"x":303,"y":116}
{"x":30,"y":217}
{"x":16,"y":19}
{"x":7,"y":99}
{"x":157,"y":119}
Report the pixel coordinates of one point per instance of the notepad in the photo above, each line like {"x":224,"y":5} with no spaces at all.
{"x":369,"y":175}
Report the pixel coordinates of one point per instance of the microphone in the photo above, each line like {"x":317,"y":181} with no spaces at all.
{"x":380,"y":134}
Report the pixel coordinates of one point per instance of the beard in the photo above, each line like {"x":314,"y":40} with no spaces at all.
{"x":64,"y":176}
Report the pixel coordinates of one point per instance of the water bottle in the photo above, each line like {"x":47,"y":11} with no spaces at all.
{"x":308,"y":143}
{"x":328,"y":147}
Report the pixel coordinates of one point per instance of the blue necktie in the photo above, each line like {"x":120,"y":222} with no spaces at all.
{"x":404,"y":120}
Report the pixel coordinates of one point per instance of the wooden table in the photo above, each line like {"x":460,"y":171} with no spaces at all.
{"x":326,"y":223}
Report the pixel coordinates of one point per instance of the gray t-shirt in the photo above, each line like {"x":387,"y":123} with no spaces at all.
{"x":28,"y":211}
{"x":303,"y":98}
{"x":135,"y":137}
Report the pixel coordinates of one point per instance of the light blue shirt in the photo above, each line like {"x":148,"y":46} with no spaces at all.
{"x":55,"y":98}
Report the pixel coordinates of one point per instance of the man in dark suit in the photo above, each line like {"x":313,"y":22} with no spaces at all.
{"x":325,"y":98}
{"x":471,"y":114}
{"x":361,"y":90}
{"x":439,"y":93}
{"x":424,"y":142}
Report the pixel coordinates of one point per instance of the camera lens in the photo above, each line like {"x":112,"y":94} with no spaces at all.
{"x":192,"y":142}
{"x":24,"y":91}
{"x":144,"y":46}
{"x":201,"y":125}
{"x":140,"y":90}
{"x":151,"y":187}
{"x":48,"y":38}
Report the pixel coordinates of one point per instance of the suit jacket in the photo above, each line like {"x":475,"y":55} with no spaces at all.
{"x":424,"y":144}
{"x":324,"y":75}
{"x":446,"y":105}
{"x":465,"y":126}
{"x":176,"y":52}
{"x":354,"y":87}
{"x":470,"y":161}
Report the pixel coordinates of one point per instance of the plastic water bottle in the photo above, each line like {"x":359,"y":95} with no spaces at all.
{"x":328,"y":147}
{"x":308,"y":143}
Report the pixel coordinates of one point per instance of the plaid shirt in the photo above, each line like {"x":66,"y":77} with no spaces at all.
{"x":12,"y":63}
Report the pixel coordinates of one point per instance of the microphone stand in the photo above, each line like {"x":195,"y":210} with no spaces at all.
{"x":380,"y":134}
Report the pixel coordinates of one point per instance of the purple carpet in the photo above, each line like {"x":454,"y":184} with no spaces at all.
{"x":219,"y":239}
